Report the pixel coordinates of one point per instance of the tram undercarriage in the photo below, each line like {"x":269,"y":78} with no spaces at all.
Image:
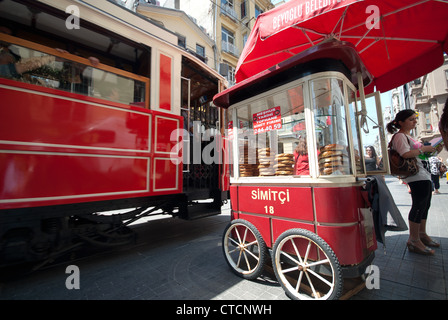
{"x":45,"y":233}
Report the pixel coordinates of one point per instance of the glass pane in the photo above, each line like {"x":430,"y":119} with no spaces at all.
{"x":293,"y":133}
{"x":356,"y":132}
{"x":35,"y":67}
{"x":113,"y":87}
{"x":331,"y":127}
{"x":372,"y":136}
{"x":228,"y":143}
{"x":188,"y":125}
{"x":247,"y":154}
{"x":268,"y":133}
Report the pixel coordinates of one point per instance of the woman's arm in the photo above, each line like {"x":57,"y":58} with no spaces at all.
{"x":416,"y":152}
{"x":402,"y":145}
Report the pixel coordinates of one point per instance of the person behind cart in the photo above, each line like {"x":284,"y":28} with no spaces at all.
{"x":420,"y":184}
{"x":371,"y":159}
{"x":435,"y":163}
{"x":302,"y":165}
{"x":443,"y":125}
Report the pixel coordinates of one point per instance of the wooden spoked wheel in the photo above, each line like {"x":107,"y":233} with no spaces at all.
{"x":306,"y":266}
{"x":244,"y":249}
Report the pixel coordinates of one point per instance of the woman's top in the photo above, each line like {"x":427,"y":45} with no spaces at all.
{"x":302,"y":166}
{"x":370,"y":164}
{"x":401,"y":144}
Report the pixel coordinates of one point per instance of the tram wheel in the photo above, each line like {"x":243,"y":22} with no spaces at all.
{"x":244,"y":249}
{"x":306,"y":266}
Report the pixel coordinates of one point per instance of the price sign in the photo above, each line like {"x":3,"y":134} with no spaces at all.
{"x":267,"y":120}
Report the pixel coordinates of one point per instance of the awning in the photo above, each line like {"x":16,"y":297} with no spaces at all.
{"x":398,"y":41}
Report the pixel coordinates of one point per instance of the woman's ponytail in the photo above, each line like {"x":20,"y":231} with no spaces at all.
{"x":394,"y":126}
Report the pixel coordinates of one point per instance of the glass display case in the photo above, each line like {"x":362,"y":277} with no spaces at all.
{"x":309,"y":128}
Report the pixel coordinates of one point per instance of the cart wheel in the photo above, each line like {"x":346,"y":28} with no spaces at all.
{"x":244,"y":249}
{"x":306,"y":266}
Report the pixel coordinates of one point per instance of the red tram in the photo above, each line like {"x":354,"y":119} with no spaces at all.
{"x":91,"y":120}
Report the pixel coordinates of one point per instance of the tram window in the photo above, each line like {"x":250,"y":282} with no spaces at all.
{"x":116,"y":88}
{"x":39,"y":68}
{"x":268,"y":129}
{"x":331,"y":130}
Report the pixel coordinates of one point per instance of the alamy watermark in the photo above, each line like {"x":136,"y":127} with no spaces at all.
{"x":209,"y":146}
{"x":74,"y":279}
{"x":372,"y":275}
{"x":72,"y":21}
{"x":373,"y":20}
{"x":218,"y":146}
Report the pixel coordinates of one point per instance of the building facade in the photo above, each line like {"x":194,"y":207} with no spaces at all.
{"x":228,"y":23}
{"x":191,"y":36}
{"x":429,"y":94}
{"x":234,"y":20}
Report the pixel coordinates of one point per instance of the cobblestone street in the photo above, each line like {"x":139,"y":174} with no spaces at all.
{"x":183,"y":260}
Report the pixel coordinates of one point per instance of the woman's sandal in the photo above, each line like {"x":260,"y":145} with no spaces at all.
{"x":427,"y":241}
{"x":412,"y":248}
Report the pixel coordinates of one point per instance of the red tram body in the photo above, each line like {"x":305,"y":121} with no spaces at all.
{"x":80,"y":138}
{"x":97,"y":151}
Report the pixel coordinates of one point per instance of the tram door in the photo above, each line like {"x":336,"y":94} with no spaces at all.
{"x":201,"y":124}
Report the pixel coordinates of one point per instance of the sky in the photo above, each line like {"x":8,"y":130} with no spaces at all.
{"x":274,"y":2}
{"x":386,"y":101}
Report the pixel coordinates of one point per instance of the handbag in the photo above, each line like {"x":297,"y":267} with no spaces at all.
{"x":399,"y":166}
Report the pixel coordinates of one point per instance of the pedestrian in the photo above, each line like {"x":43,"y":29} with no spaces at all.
{"x":420,"y":184}
{"x":434,"y":165}
{"x":443,"y":125}
{"x":371,"y":159}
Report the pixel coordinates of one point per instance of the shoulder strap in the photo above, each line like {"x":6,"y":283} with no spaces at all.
{"x":389,"y":146}
{"x":390,"y":143}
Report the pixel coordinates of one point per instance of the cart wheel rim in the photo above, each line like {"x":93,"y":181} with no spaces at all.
{"x":244,"y":249}
{"x":304,"y":277}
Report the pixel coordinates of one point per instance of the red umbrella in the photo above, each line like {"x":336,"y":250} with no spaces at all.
{"x":398,"y":41}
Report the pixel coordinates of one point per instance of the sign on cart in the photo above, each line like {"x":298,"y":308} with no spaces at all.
{"x":267,"y":120}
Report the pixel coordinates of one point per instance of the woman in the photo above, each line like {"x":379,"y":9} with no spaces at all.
{"x":371,"y":159}
{"x":420,"y":184}
{"x":302,"y":166}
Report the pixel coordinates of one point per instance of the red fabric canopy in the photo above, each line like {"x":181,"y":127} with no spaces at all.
{"x":398,"y":41}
